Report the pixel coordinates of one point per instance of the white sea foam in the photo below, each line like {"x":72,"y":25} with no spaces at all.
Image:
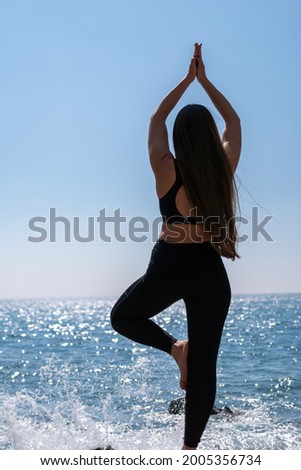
{"x":28,"y":424}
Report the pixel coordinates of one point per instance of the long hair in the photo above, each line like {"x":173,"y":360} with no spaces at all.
{"x":207,"y":176}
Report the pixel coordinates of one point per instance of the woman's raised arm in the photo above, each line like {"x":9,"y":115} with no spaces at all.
{"x":158,"y":146}
{"x":231,"y":138}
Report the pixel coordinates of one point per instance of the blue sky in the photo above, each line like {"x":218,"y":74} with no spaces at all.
{"x":79,"y":81}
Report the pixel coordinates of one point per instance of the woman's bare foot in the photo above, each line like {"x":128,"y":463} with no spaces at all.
{"x":179,"y":352}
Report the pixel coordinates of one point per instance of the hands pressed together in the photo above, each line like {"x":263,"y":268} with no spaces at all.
{"x":196,"y":67}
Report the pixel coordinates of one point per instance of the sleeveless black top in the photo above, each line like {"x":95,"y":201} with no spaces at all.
{"x":167,"y":204}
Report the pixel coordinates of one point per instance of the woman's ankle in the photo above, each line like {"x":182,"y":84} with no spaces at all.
{"x":177,"y":347}
{"x":185,"y":447}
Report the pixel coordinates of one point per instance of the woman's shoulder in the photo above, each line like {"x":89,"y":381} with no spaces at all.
{"x":165,"y":165}
{"x":165,"y":174}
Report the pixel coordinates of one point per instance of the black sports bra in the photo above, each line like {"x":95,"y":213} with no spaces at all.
{"x":167,"y":203}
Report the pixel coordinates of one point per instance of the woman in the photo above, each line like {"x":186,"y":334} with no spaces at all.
{"x":196,"y":193}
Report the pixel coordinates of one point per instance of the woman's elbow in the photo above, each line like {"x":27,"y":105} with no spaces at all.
{"x":156,"y":116}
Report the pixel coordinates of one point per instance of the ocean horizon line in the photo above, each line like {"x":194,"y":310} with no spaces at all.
{"x":111,"y":296}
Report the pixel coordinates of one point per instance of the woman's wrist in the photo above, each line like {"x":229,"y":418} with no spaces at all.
{"x":188,"y":80}
{"x":203,"y":81}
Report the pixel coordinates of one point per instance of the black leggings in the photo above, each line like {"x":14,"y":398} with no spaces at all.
{"x":195,"y":273}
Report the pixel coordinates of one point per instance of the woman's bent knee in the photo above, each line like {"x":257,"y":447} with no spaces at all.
{"x":118,"y":317}
{"x":114,"y":317}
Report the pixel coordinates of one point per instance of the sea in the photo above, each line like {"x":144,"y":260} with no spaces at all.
{"x":68,"y":381}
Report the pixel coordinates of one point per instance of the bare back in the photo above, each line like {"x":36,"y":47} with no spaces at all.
{"x":177,"y":233}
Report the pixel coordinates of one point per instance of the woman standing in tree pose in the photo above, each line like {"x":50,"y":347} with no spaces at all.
{"x":197,"y":197}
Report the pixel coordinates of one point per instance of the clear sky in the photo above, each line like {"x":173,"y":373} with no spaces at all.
{"x":79,"y":81}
